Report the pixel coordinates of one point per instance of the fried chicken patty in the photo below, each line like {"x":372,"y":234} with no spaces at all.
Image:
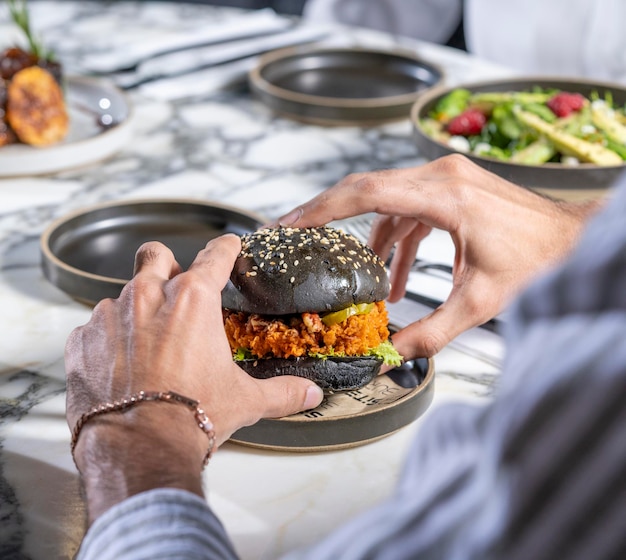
{"x":305,"y":334}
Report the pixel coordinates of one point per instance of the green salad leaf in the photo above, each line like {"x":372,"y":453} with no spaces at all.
{"x":385,"y":350}
{"x":388,"y":353}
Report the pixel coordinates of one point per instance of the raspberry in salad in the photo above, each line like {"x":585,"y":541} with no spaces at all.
{"x":565,"y":103}
{"x":469,"y":123}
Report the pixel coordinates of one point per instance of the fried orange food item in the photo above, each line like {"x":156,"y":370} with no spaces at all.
{"x":305,"y":334}
{"x":36,"y":109}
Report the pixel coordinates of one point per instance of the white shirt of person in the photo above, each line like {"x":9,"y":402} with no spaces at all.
{"x":576,"y":38}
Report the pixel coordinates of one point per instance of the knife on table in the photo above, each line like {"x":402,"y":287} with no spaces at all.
{"x":126,"y":57}
{"x":180,"y":63}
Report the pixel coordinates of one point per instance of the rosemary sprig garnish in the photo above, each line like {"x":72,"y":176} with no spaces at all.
{"x":19,"y":13}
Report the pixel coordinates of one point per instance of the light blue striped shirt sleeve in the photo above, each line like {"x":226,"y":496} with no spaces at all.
{"x":536,"y":474}
{"x":162,"y":523}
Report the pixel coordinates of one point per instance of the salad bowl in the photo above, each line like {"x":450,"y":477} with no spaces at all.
{"x":570,"y":179}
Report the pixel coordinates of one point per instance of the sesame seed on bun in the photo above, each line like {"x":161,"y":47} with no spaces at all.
{"x":295,"y":270}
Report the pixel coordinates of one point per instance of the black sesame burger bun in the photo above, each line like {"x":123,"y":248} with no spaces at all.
{"x":284,"y":271}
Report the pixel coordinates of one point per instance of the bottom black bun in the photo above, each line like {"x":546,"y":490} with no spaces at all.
{"x":331,"y":374}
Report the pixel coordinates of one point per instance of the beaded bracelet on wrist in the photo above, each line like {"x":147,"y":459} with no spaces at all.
{"x":148,"y":396}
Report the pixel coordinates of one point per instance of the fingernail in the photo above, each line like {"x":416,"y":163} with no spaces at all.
{"x":291,"y":218}
{"x":313,"y":397}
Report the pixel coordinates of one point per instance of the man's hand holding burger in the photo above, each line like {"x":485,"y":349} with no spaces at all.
{"x":164,"y":333}
{"x":503,"y":235}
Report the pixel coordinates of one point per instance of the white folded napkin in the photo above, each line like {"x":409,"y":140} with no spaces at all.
{"x":477,"y":342}
{"x":431,"y":283}
{"x":124,"y":56}
{"x":201,"y":57}
{"x":221,"y":73}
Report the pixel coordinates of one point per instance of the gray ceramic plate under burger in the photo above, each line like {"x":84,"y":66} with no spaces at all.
{"x":351,"y":418}
{"x":342,"y":86}
{"x":90,"y":253}
{"x":554,"y":177}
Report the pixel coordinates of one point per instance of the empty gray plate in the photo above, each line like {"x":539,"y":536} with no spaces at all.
{"x":342,"y":86}
{"x":90,"y":254}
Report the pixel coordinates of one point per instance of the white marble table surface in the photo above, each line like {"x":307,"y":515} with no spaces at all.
{"x":218,"y":145}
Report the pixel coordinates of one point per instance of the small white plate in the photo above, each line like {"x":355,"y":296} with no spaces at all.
{"x":100,"y":124}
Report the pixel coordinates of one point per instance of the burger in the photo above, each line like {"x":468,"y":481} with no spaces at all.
{"x":309,"y":302}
